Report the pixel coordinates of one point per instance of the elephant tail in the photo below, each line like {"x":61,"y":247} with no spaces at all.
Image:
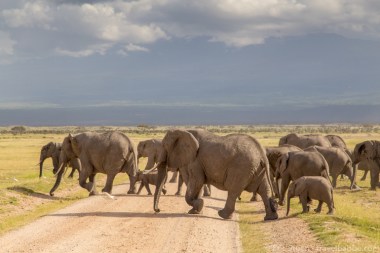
{"x":326,"y":169}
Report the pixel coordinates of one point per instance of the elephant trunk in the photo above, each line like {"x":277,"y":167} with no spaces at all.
{"x":41,"y":166}
{"x":161,"y":179}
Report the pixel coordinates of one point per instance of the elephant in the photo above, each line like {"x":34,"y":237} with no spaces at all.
{"x":52,"y":150}
{"x":296,"y":164}
{"x":369,"y":151}
{"x":305,"y":141}
{"x":152,"y":149}
{"x":108,"y":153}
{"x":146,"y":179}
{"x":312,"y":187}
{"x":339,"y":163}
{"x":273,"y":153}
{"x":231,"y":163}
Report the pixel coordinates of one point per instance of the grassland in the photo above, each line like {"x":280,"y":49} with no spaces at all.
{"x":24,"y":197}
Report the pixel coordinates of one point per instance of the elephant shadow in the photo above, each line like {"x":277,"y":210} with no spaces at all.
{"x":31,"y":192}
{"x":130,"y":215}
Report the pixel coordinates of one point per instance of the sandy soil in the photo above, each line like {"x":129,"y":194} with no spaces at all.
{"x":128,"y":224}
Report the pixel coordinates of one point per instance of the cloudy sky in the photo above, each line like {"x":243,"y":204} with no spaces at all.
{"x":270,"y":55}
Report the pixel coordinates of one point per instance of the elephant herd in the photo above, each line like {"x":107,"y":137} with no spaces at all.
{"x":233,"y":163}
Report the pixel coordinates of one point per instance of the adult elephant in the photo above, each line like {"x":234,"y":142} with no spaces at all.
{"x":305,"y":141}
{"x":369,"y":151}
{"x":108,"y":153}
{"x":52,"y":150}
{"x":231,"y":163}
{"x":294,"y":165}
{"x":273,"y":154}
{"x":339,"y":163}
{"x":152,"y":150}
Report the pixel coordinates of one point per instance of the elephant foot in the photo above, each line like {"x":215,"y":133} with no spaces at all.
{"x":194,"y":211}
{"x":173,"y":181}
{"x":373,"y":188}
{"x":356,"y":187}
{"x":331,"y":212}
{"x":92,"y":193}
{"x":149,"y":193}
{"x":198,"y":204}
{"x":178,"y":194}
{"x":362,"y":179}
{"x":272,"y":216}
{"x":254,"y":198}
{"x":107,"y":191}
{"x":131,"y":192}
{"x":225,"y":214}
{"x":281,"y":203}
{"x":317,"y":210}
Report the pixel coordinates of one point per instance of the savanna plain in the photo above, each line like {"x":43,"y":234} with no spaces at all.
{"x":355,"y":226}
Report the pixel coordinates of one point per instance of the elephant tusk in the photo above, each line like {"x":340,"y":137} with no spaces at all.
{"x":149,"y":171}
{"x":60,"y":168}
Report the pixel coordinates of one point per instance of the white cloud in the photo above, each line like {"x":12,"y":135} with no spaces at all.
{"x":6,"y":44}
{"x":91,"y":50}
{"x":72,"y":29}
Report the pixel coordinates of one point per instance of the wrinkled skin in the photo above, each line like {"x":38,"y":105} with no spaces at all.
{"x":108,"y":153}
{"x":152,"y":150}
{"x":294,"y":165}
{"x":369,"y":151}
{"x":273,"y":154}
{"x":308,"y":188}
{"x":304,"y":141}
{"x":146,"y":180}
{"x":53,"y":150}
{"x":339,"y":163}
{"x":231,"y":163}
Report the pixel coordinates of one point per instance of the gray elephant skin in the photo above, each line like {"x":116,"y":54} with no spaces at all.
{"x":339,"y":163}
{"x":146,"y":180}
{"x":53,"y":150}
{"x":152,"y":150}
{"x":305,"y":141}
{"x":294,"y":165}
{"x":308,"y":188}
{"x":108,"y":153}
{"x":273,"y":154}
{"x":231,"y":163}
{"x":369,"y":151}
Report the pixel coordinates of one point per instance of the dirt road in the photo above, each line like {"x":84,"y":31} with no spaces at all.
{"x":128,"y":224}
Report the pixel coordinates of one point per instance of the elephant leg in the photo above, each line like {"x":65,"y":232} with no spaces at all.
{"x":334,"y":179}
{"x":174,"y":177}
{"x":206,"y":190}
{"x":72,"y":173}
{"x":374,"y":178}
{"x":194,"y":187}
{"x":364,"y":176}
{"x":140,"y":188}
{"x":180,"y":183}
{"x":269,"y":204}
{"x":303,"y":199}
{"x":109,"y":183}
{"x":331,"y":207}
{"x":148,"y":188}
{"x":91,"y":178}
{"x":84,"y":174}
{"x":319,"y":208}
{"x":57,"y":182}
{"x":229,"y":208}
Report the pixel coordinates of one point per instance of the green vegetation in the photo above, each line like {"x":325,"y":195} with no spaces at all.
{"x":24,"y":197}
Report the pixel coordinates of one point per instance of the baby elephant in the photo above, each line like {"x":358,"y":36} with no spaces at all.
{"x":147,"y":179}
{"x":312,"y":187}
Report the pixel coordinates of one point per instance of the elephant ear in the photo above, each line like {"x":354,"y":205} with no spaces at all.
{"x":181,"y":148}
{"x":282,"y":163}
{"x":299,"y":186}
{"x":74,"y":145}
